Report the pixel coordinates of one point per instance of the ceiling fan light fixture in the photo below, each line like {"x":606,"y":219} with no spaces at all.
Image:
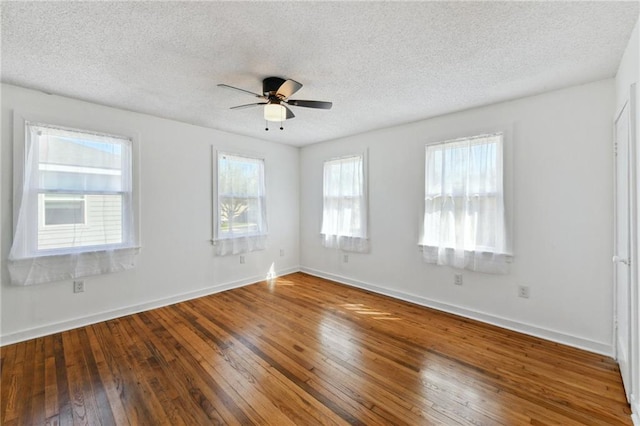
{"x":275,"y":112}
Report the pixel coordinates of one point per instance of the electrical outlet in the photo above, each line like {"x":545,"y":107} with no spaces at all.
{"x":242,"y":260}
{"x":523,"y":291}
{"x":345,"y":258}
{"x":78,"y":286}
{"x":281,"y":252}
{"x":457,"y":279}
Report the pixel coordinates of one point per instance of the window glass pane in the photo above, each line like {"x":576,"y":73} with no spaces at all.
{"x":238,"y":176}
{"x":466,"y":222}
{"x":343,"y":177}
{"x":239,"y":215}
{"x":467,"y":166}
{"x":103,"y":224}
{"x":77,"y":163}
{"x":84,"y":184}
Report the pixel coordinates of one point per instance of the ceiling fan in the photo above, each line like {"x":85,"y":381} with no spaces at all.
{"x":275,"y":98}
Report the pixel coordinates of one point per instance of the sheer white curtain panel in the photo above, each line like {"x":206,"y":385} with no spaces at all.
{"x":344,"y":214}
{"x":464,"y":218}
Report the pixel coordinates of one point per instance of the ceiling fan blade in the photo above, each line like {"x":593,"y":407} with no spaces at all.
{"x":310,"y":104}
{"x":288,"y":88}
{"x":226,"y":86}
{"x":290,"y":113}
{"x":248,"y":105}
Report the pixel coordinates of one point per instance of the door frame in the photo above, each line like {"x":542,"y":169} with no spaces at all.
{"x":632,"y":161}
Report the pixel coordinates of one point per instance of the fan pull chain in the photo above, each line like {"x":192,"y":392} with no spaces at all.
{"x":281,"y":119}
{"x":266,"y":123}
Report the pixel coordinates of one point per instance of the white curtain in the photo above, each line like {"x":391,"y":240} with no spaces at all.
{"x":344,"y":214}
{"x":464,"y":218}
{"x":240,"y":223}
{"x":75,"y":216}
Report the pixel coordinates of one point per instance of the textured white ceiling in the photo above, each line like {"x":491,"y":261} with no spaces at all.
{"x":380,"y":63}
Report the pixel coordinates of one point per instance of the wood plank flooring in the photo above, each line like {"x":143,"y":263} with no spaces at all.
{"x":303,"y":351}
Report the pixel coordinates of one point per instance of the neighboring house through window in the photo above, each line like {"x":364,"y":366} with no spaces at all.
{"x":240,"y":223}
{"x":63,"y":209}
{"x":344,"y":212}
{"x":76,"y":203}
{"x":464,"y":215}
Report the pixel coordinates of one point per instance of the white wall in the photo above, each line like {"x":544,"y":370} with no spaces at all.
{"x":561,"y":177}
{"x":629,"y":73}
{"x":177,"y":260}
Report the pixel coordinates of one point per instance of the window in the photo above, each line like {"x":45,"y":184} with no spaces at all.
{"x":76,"y":200}
{"x":344,"y":214}
{"x":240,"y":223}
{"x":464,"y":217}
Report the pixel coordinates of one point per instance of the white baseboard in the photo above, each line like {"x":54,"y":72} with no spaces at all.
{"x":554,"y":336}
{"x":635,"y":411}
{"x":58,"y":327}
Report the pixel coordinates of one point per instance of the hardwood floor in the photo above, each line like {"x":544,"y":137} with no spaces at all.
{"x":303,"y":350}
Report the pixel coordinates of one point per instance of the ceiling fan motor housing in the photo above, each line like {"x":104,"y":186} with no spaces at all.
{"x":270,"y":85}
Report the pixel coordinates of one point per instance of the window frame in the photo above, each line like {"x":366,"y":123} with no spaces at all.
{"x":21,"y":144}
{"x":217,"y":234}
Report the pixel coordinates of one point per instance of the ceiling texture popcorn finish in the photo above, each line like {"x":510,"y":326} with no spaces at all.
{"x":381,"y":63}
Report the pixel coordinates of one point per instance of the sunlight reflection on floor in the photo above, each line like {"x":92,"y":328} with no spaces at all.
{"x":362,"y":309}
